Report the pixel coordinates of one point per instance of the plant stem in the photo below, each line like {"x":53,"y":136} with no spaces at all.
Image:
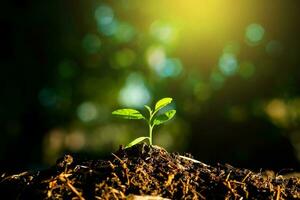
{"x":150,"y":134}
{"x":150,"y":127}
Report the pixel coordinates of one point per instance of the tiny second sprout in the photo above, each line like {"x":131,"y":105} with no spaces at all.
{"x":152,"y":120}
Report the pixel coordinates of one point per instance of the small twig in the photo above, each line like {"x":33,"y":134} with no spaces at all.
{"x":244,"y":179}
{"x":245,"y":190}
{"x":111,"y":165}
{"x":117,"y":158}
{"x":16,"y":176}
{"x":64,"y":178}
{"x":237,"y":182}
{"x":80,"y":166}
{"x":278,"y":193}
{"x":193,"y":160}
{"x":227,"y":183}
{"x":74,"y":190}
{"x":228,"y":175}
{"x":170,"y":179}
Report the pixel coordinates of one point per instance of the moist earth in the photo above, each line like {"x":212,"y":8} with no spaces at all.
{"x":145,"y":170}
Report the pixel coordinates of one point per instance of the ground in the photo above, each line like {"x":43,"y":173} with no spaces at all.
{"x":150,"y":172}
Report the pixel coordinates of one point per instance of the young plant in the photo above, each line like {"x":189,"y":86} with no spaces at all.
{"x":152,"y":120}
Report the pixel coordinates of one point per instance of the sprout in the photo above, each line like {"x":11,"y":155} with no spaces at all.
{"x":152,"y":120}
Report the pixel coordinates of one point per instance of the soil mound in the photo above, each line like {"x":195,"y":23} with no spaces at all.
{"x":146,"y":171}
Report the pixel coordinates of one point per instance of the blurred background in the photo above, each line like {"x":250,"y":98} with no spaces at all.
{"x":232,"y":68}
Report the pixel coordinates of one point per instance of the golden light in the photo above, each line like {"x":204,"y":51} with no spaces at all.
{"x":206,"y":17}
{"x":203,"y":28}
{"x":277,"y":111}
{"x":205,"y":10}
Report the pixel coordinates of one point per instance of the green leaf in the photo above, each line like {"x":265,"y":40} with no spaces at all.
{"x":162,"y":103}
{"x":148,"y":108}
{"x":128,"y":113}
{"x":136,"y":141}
{"x":164,"y":117}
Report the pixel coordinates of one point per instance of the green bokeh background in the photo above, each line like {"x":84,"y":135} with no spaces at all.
{"x":231,"y":67}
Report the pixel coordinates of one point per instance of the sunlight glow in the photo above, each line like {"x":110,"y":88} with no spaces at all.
{"x":232,"y":48}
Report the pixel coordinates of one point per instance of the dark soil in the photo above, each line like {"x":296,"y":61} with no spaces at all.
{"x":146,"y":170}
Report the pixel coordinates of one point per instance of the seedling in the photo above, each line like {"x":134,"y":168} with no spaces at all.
{"x":153,"y":120}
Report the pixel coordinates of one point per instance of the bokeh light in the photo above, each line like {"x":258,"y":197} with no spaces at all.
{"x":277,"y":111}
{"x":106,"y":22}
{"x":156,"y":56}
{"x":124,"y":32}
{"x":274,"y":48}
{"x":228,"y":64}
{"x":161,"y":65}
{"x":123,"y":58}
{"x":246,"y":70}
{"x":237,"y":114}
{"x":104,"y":15}
{"x":171,"y":67}
{"x":75,"y":140}
{"x":202,"y":91}
{"x":134,"y":93}
{"x":254,"y":34}
{"x":87,"y":111}
{"x":217,"y":80}
{"x":91,"y":43}
{"x":164,"y":32}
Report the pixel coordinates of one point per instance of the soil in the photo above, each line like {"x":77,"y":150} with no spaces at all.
{"x":148,"y":171}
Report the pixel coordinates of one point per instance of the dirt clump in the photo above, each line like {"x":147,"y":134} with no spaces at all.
{"x":145,"y":170}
